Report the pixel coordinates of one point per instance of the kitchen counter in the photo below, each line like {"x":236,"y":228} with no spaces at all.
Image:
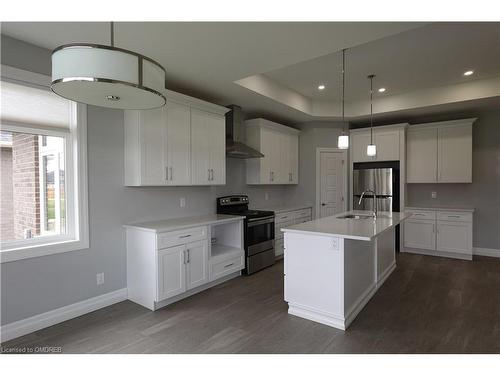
{"x":334,"y":266}
{"x":442,"y":208}
{"x":355,"y":229}
{"x":184,"y":222}
{"x":278,"y":209}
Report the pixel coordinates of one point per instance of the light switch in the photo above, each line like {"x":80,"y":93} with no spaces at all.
{"x":266,"y":197}
{"x":434,"y":194}
{"x":183,"y":202}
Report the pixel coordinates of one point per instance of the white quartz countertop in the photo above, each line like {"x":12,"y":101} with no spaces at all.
{"x":184,"y":222}
{"x":442,"y":208}
{"x":355,"y":229}
{"x":278,"y":209}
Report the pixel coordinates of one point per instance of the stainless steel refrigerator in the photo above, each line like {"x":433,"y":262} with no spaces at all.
{"x":383,"y":178}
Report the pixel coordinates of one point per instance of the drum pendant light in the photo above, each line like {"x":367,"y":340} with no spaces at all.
{"x":343,"y":141}
{"x":371,"y":149}
{"x":107,"y":76}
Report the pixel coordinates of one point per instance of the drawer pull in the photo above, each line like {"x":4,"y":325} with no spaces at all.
{"x":419,"y":214}
{"x":229,"y":265}
{"x":455,"y":216}
{"x":185,"y":236}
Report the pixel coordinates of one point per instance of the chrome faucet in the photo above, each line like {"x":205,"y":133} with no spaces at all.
{"x":374,"y":196}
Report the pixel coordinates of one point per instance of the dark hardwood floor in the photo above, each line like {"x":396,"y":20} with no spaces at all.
{"x":428,"y":305}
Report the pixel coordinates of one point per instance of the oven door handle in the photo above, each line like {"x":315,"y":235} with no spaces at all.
{"x":259,"y":221}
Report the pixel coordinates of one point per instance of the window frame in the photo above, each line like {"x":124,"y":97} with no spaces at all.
{"x":77,"y":236}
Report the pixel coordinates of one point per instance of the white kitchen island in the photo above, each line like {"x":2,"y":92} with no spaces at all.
{"x":334,"y":265}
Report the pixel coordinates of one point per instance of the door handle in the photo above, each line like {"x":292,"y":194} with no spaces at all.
{"x":323,"y":204}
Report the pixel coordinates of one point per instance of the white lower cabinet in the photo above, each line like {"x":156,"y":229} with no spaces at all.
{"x":285,"y":219}
{"x":196,"y":264}
{"x":444,"y":233}
{"x":171,"y":272}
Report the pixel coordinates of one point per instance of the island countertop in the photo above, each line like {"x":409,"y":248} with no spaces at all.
{"x":364,"y":229}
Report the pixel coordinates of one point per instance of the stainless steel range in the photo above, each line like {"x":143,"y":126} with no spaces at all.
{"x":258,"y":231}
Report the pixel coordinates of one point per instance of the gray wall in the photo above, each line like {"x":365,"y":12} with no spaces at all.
{"x":483,"y":193}
{"x":36,"y":285}
{"x":313,"y":135}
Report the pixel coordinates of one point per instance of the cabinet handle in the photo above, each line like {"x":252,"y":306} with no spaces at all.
{"x":185,"y":236}
{"x":208,"y":174}
{"x":456,"y":216}
{"x":212,"y":174}
{"x":228,"y":265}
{"x":171,"y":173}
{"x":184,"y":256}
{"x":272,"y":176}
{"x":166,"y":173}
{"x":188,"y":256}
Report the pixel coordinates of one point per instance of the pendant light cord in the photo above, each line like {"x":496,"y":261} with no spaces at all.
{"x":343,"y":89}
{"x":371,"y":107}
{"x":112,"y":25}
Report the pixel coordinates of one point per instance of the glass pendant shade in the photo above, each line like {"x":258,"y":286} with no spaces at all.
{"x":343,"y":142}
{"x":371,"y":150}
{"x":107,"y":76}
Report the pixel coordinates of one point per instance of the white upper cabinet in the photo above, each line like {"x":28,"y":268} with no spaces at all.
{"x":386,"y":138}
{"x":182,"y":143}
{"x":440,"y":152}
{"x":208,"y":145}
{"x":280,"y":146}
{"x":421,"y":148}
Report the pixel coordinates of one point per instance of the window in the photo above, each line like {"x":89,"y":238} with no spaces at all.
{"x":43,"y":193}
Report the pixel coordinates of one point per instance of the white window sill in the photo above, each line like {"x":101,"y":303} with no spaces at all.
{"x":39,"y":250}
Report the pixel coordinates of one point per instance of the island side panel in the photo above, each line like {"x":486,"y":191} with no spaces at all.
{"x":386,"y":255}
{"x":360,"y":280}
{"x":314,"y":277}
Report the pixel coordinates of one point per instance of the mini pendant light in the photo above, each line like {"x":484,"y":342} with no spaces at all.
{"x":371,"y":149}
{"x":343,"y":141}
{"x":107,"y":76}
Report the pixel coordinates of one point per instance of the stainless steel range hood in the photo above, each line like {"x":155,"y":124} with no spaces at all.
{"x":235,"y":136}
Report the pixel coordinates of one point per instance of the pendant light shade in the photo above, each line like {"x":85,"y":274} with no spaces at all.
{"x":343,"y":140}
{"x":371,"y":149}
{"x":107,"y":76}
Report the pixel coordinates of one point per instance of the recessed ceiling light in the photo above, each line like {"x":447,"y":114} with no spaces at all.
{"x":382,"y":89}
{"x":321,"y":87}
{"x":469,"y":73}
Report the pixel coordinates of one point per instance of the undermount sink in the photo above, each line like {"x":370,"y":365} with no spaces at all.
{"x":355,"y":217}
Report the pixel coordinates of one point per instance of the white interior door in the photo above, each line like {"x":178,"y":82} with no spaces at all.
{"x":178,"y":160}
{"x":331,"y":183}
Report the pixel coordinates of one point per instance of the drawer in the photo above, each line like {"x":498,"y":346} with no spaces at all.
{"x":180,"y":237}
{"x":285,"y":216}
{"x":226,"y":267}
{"x":422,"y":215}
{"x":306,"y":213}
{"x":454,"y":216}
{"x":277,"y":228}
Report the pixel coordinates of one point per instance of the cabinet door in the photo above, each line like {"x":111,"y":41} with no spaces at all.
{"x":217,"y":126}
{"x":454,"y":237}
{"x":200,"y":148}
{"x":455,"y":154}
{"x":270,"y":161}
{"x":196,"y":264}
{"x":171,"y":272}
{"x":283,"y":173}
{"x":421,"y":154}
{"x":420,"y":234}
{"x":387,"y":145}
{"x":359,"y":142}
{"x":178,"y":155}
{"x":294,"y":158}
{"x":153,"y":170}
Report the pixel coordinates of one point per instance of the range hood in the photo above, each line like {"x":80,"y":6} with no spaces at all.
{"x":235,"y":136}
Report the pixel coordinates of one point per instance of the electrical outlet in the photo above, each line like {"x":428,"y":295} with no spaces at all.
{"x":266,"y":197}
{"x":182,"y":202}
{"x":100,"y":278}
{"x":434,"y":194}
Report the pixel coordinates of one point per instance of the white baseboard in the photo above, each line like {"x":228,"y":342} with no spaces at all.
{"x":485,"y":252}
{"x":34,"y":323}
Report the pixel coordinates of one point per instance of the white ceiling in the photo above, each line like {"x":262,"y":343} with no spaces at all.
{"x":205,"y":59}
{"x":430,"y":56}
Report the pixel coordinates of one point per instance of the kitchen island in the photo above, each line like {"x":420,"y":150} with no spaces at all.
{"x":334,"y":265}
